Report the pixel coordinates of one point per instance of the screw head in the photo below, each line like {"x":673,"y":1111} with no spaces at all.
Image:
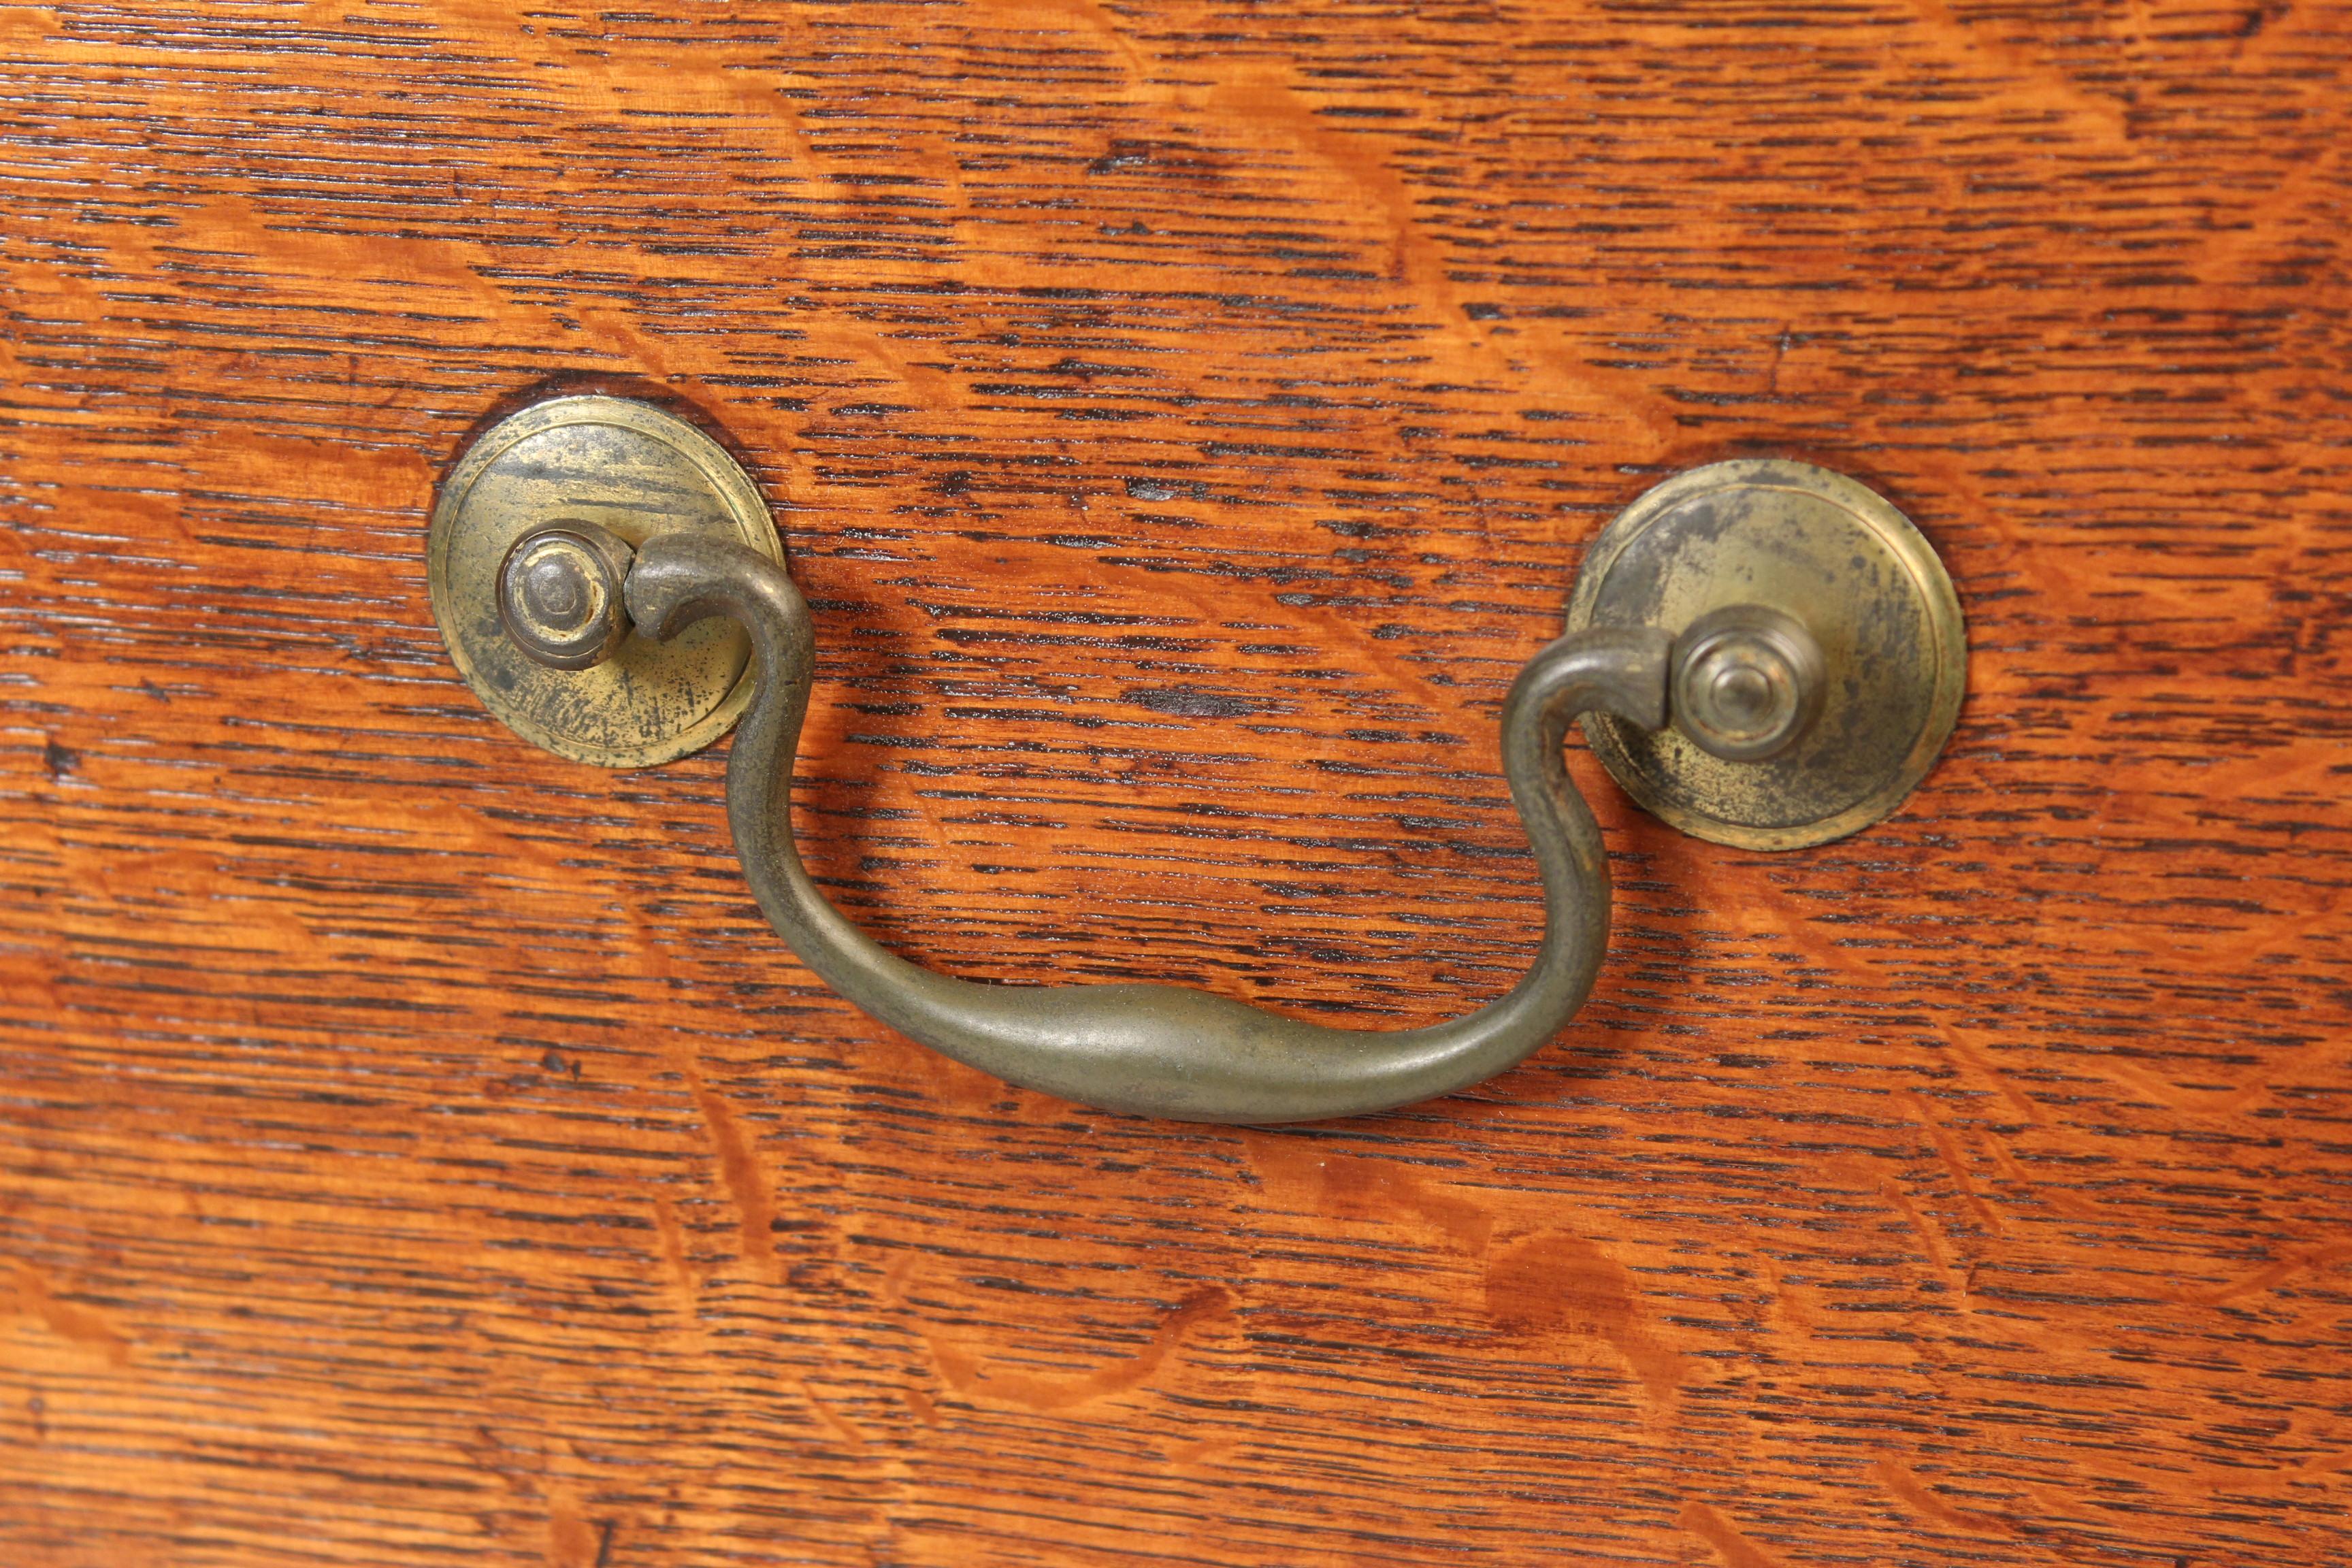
{"x":1747,"y":681}
{"x":560,"y":595}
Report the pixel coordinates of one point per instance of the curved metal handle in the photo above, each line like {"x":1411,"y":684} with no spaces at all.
{"x":1163,"y":1050}
{"x":1814,"y":672}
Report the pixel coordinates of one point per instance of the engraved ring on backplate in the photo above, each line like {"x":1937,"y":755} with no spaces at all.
{"x":1866,"y":585}
{"x":638,"y":472}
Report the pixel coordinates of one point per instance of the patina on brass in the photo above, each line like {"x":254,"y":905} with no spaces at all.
{"x":1747,"y":682}
{"x":559,"y":594}
{"x":1752,"y":563}
{"x":1167,"y":1051}
{"x":1768,"y":623}
{"x":613,"y":473}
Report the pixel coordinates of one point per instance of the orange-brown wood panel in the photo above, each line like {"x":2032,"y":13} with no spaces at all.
{"x":1185,"y":416}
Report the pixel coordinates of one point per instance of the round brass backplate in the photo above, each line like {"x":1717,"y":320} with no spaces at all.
{"x":639,"y":472}
{"x":1857,"y":576}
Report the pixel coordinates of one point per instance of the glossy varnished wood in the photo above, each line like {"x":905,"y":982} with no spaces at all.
{"x":1184,"y":419}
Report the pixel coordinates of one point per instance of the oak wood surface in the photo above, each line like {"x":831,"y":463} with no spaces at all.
{"x":1184,"y":418}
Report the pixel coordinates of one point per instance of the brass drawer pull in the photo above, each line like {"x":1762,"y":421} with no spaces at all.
{"x":1161,"y":1050}
{"x":1752,"y":689}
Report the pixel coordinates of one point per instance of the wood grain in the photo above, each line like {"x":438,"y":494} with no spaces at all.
{"x":1185,"y":417}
